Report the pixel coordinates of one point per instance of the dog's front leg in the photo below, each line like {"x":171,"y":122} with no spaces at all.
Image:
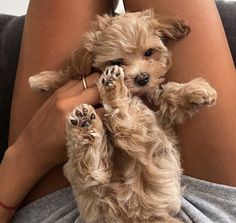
{"x":177,"y":102}
{"x":128,"y":120}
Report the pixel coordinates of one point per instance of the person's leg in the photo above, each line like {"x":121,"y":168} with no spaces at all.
{"x":53,"y":29}
{"x":208,"y":140}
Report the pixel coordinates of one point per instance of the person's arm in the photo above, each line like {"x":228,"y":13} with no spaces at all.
{"x":19,"y":171}
{"x":41,"y":145}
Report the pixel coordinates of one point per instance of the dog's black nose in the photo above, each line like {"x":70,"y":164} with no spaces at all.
{"x":141,"y":79}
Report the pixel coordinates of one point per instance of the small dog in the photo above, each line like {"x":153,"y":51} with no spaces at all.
{"x":127,"y":168}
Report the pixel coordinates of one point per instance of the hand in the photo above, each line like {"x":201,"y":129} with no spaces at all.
{"x":41,"y":146}
{"x":44,"y":137}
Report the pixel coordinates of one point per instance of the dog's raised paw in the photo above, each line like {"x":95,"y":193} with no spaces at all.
{"x":111,"y":77}
{"x":112,"y":87}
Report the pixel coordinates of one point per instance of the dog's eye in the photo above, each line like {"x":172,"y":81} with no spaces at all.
{"x":148,"y":52}
{"x":118,"y":62}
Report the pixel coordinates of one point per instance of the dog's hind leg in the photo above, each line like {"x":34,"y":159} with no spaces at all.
{"x":89,"y":167}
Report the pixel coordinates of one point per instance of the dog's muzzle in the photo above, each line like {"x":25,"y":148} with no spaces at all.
{"x":142,"y":79}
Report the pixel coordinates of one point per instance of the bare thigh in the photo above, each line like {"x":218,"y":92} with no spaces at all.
{"x":208,"y":141}
{"x":53,"y":29}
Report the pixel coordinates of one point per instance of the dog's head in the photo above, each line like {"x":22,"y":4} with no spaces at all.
{"x":133,"y":41}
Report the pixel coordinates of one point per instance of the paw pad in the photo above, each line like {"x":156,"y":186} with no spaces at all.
{"x":78,"y":113}
{"x":92,"y":117}
{"x":111,"y":75}
{"x":82,"y":116}
{"x":73,"y":121}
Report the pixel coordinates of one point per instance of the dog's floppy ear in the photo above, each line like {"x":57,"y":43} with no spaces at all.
{"x":83,"y":58}
{"x":80,"y":64}
{"x":166,"y":27}
{"x":172,"y":28}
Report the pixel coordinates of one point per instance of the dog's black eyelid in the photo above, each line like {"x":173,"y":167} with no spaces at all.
{"x":148,"y":52}
{"x":117,"y":62}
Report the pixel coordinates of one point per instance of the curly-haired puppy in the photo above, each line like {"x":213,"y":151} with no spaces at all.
{"x":127,"y":168}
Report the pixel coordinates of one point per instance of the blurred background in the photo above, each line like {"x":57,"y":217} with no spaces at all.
{"x":13,"y":7}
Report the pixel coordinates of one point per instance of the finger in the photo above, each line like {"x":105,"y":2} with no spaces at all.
{"x":77,"y":86}
{"x":90,"y":81}
{"x":88,"y":96}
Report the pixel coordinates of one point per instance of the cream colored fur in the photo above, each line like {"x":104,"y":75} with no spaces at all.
{"x":126,"y":168}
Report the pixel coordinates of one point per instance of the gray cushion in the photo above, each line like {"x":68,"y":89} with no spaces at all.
{"x":227,"y":11}
{"x":11,"y":28}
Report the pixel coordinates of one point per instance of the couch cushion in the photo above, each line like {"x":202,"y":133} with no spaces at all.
{"x":10,"y":37}
{"x":227,"y":11}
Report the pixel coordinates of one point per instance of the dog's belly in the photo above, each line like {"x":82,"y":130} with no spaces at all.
{"x":134,"y":200}
{"x":135,"y":196}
